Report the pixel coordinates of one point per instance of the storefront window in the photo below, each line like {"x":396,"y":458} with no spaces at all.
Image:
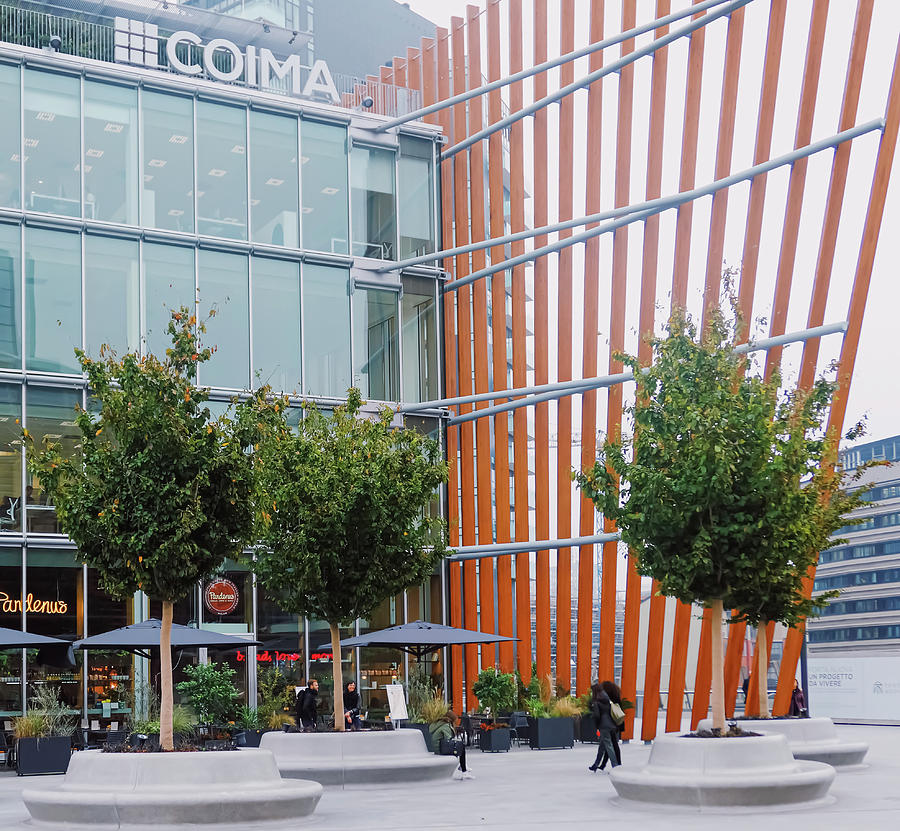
{"x":52,"y":128}
{"x":9,"y":137}
{"x":110,"y":153}
{"x":222,"y":170}
{"x":52,"y":300}
{"x":111,"y":314}
{"x":378,"y":666}
{"x":326,"y":330}
{"x":54,"y":595}
{"x":10,"y":458}
{"x":50,"y":414}
{"x":276,"y":324}
{"x":420,"y":340}
{"x":238,"y":621}
{"x":10,"y":297}
{"x":323,"y":149}
{"x":283,"y":645}
{"x":374,"y":206}
{"x":10,"y":618}
{"x":168,"y":285}
{"x":416,"y":197}
{"x":273,"y":179}
{"x":110,"y":674}
{"x":168,"y":176}
{"x":375,"y":344}
{"x":224,"y":288}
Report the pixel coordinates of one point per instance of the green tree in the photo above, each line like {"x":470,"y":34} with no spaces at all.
{"x":344,"y":514}
{"x":496,"y":690}
{"x":161,"y":492}
{"x":722,"y":494}
{"x":210,"y":690}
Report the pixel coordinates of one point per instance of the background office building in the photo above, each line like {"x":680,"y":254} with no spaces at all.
{"x":128,"y":190}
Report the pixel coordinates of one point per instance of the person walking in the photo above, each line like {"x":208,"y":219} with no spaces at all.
{"x":307,"y":704}
{"x":798,"y":702}
{"x":445,"y":743}
{"x":603,"y":696}
{"x":351,"y":706}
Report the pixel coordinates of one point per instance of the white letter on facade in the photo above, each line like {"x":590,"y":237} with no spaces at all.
{"x":237,"y":66}
{"x":269,"y":66}
{"x":174,"y":61}
{"x":320,"y":81}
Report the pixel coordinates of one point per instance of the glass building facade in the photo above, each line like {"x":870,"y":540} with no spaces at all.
{"x":122,"y":199}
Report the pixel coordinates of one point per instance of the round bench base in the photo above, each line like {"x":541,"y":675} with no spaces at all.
{"x":172,"y":790}
{"x":812,"y":740}
{"x":700,"y":774}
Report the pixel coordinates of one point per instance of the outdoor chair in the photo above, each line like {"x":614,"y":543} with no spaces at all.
{"x":4,"y":748}
{"x":114,"y":738}
{"x":518,"y":721}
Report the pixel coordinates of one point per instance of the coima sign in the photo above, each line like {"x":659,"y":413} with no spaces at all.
{"x":137,"y":43}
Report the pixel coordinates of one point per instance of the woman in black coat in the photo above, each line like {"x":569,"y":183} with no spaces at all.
{"x":351,"y":706}
{"x":602,"y":697}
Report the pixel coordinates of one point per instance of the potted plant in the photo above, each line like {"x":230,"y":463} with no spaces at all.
{"x":430,"y":712}
{"x":497,"y":691}
{"x":252,"y":724}
{"x":551,"y":720}
{"x":43,"y":735}
{"x":210,"y":691}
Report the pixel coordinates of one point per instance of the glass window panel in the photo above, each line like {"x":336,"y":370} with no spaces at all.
{"x":276,"y":324}
{"x":110,"y":153}
{"x":284,"y":645}
{"x":222,"y":170}
{"x":380,"y":666}
{"x":50,"y":414}
{"x":323,"y":149}
{"x":10,"y":137}
{"x":52,"y":300}
{"x":168,"y":285}
{"x":420,"y":340}
{"x":274,"y":191}
{"x":320,"y":664}
{"x":10,"y":297}
{"x":10,"y":458}
{"x":168,"y":176}
{"x":224,"y":288}
{"x":373,"y":203}
{"x":52,"y":130}
{"x":416,"y":197}
{"x":376,"y":355}
{"x":11,"y":618}
{"x":111,"y":315}
{"x":110,"y":674}
{"x":326,"y":330}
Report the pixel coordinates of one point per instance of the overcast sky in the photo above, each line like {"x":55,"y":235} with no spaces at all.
{"x":875,"y":389}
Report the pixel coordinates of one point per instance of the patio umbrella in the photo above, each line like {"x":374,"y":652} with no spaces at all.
{"x":14,"y":639}
{"x":420,"y":637}
{"x":140,"y":637}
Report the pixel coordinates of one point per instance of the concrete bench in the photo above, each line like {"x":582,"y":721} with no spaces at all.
{"x":364,"y":758}
{"x":812,"y":739}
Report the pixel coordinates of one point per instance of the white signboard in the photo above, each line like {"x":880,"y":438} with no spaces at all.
{"x":866,"y":688}
{"x":396,"y":702}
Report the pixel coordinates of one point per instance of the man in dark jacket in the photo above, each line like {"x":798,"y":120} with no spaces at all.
{"x":306,"y":706}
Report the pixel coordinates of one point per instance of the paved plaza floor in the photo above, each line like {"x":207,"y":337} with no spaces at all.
{"x":553,"y":789}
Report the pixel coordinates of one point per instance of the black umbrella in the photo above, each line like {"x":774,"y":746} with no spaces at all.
{"x":140,"y":637}
{"x":419,"y":638}
{"x":14,"y":639}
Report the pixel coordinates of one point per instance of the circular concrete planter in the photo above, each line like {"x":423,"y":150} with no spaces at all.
{"x":380,"y":757}
{"x":171,"y":790}
{"x":811,"y":739}
{"x":751,"y":772}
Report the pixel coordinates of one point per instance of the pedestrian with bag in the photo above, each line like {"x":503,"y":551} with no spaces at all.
{"x":608,"y":715}
{"x":307,"y":707}
{"x":445,"y":743}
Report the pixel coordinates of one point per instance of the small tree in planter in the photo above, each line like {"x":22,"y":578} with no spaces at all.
{"x":210,"y":691}
{"x":343,"y":509}
{"x":497,"y":691}
{"x":699,"y":487}
{"x":160,"y":494}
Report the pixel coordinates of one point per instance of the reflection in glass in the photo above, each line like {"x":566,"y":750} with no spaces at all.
{"x":52,"y":127}
{"x":372,"y":200}
{"x":320,"y":665}
{"x":273,"y":179}
{"x":416,"y":204}
{"x":420,"y":340}
{"x":52,"y":300}
{"x":10,"y":458}
{"x":326,"y":330}
{"x":380,"y":666}
{"x":224,"y":288}
{"x":10,"y":136}
{"x":10,"y":618}
{"x":10,"y":297}
{"x":110,"y":674}
{"x":168,"y":285}
{"x":283,"y":647}
{"x":276,"y":324}
{"x":222,"y":170}
{"x":111,"y":314}
{"x":110,"y":153}
{"x":323,"y":150}
{"x":375,"y":348}
{"x":168,"y":135}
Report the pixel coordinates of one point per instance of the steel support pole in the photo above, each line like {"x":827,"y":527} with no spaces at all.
{"x":477,"y":552}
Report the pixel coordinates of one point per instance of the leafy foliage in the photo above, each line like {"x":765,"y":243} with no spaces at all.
{"x":210,"y":690}
{"x":250,"y":718}
{"x":274,"y":697}
{"x":496,"y":690}
{"x":566,"y":706}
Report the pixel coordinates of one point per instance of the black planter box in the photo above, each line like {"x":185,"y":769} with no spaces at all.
{"x":41,"y":756}
{"x":549,"y":733}
{"x":494,"y":741}
{"x":249,"y":738}
{"x":424,"y":729}
{"x":587,"y":730}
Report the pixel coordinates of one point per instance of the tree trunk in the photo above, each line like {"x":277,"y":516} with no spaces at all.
{"x":165,"y":678}
{"x":762,"y":668}
{"x":337,"y":672}
{"x":717,"y":692}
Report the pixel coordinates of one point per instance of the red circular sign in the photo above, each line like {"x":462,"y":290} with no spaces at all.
{"x":221,"y":596}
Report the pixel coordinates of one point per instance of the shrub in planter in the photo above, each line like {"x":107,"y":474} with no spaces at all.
{"x":43,"y":735}
{"x":497,"y":691}
{"x":210,"y":691}
{"x":494,"y":739}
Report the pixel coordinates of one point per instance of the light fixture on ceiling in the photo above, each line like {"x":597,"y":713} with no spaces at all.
{"x":156,"y":163}
{"x":239,"y":148}
{"x":329,"y":191}
{"x":31,"y":142}
{"x":266,"y":28}
{"x":112,"y":127}
{"x":216,"y":172}
{"x":176,"y":139}
{"x":293,"y":38}
{"x":274,"y":182}
{"x":93,"y":153}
